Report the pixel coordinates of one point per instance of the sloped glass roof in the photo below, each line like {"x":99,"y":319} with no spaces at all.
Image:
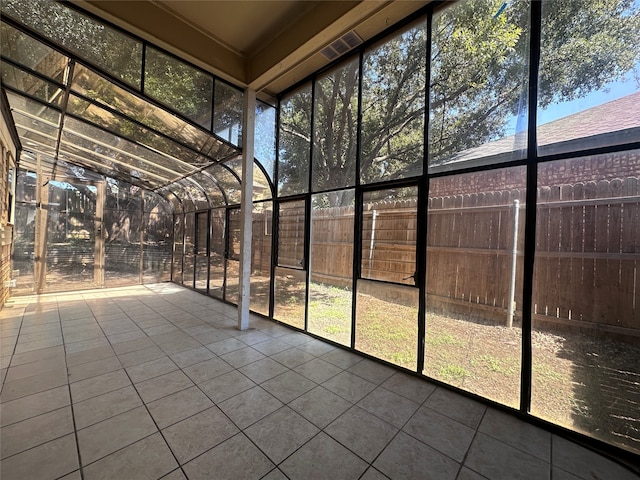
{"x":86,"y":94}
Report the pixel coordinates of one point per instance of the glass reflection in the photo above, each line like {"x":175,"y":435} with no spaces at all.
{"x":265,"y":137}
{"x":48,"y":92}
{"x":27,"y":51}
{"x":228,"y":181}
{"x":227,"y":113}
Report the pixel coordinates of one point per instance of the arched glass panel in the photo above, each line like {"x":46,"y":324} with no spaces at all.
{"x":178,"y":190}
{"x":211,"y":188}
{"x":265,"y":137}
{"x":229,"y":183}
{"x":195,"y":192}
{"x":261,"y":187}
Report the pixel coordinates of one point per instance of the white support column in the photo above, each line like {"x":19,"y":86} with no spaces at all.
{"x":246,"y":207}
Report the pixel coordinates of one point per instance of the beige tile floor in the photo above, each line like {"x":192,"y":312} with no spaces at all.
{"x":156,"y":382}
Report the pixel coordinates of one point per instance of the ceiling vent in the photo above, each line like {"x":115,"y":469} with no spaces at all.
{"x":341,"y":46}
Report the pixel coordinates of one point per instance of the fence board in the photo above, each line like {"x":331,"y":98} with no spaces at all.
{"x":587,"y":250}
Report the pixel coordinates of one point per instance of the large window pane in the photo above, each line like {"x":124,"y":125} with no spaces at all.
{"x":387,"y":322}
{"x":585,"y":299}
{"x":291,"y":296}
{"x":291,"y":228}
{"x":474,"y":282}
{"x":201,"y":250}
{"x":100,"y":44}
{"x":158,"y":236}
{"x":232,"y":281}
{"x":589,"y":94}
{"x":389,"y":228}
{"x":178,"y":248}
{"x":294,"y":145}
{"x":31,"y":53}
{"x":393,"y":98}
{"x":227,"y":113}
{"x":71,"y":236}
{"x":179,"y":86}
{"x":217,"y":252}
{"x":479,"y":82}
{"x":189,"y":248}
{"x":335,"y":122}
{"x":261,"y":241}
{"x":122,"y":224}
{"x":330,"y":285}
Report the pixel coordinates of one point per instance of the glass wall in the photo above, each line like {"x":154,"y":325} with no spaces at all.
{"x":430,"y":153}
{"x":89,"y":231}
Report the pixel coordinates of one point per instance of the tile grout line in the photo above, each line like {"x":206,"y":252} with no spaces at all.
{"x":73,"y":414}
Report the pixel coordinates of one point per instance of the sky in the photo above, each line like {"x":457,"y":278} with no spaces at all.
{"x":613,"y":91}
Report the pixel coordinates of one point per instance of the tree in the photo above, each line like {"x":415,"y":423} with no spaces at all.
{"x":477,"y":86}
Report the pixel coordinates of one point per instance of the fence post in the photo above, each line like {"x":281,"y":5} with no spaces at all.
{"x":373,"y":234}
{"x":511,"y":307}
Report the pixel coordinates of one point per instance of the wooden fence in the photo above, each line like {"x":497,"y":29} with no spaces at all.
{"x":587,"y":252}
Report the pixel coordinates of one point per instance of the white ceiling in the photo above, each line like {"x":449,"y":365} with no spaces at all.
{"x":242,"y":25}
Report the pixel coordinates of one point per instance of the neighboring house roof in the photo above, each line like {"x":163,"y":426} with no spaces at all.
{"x":610,"y":123}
